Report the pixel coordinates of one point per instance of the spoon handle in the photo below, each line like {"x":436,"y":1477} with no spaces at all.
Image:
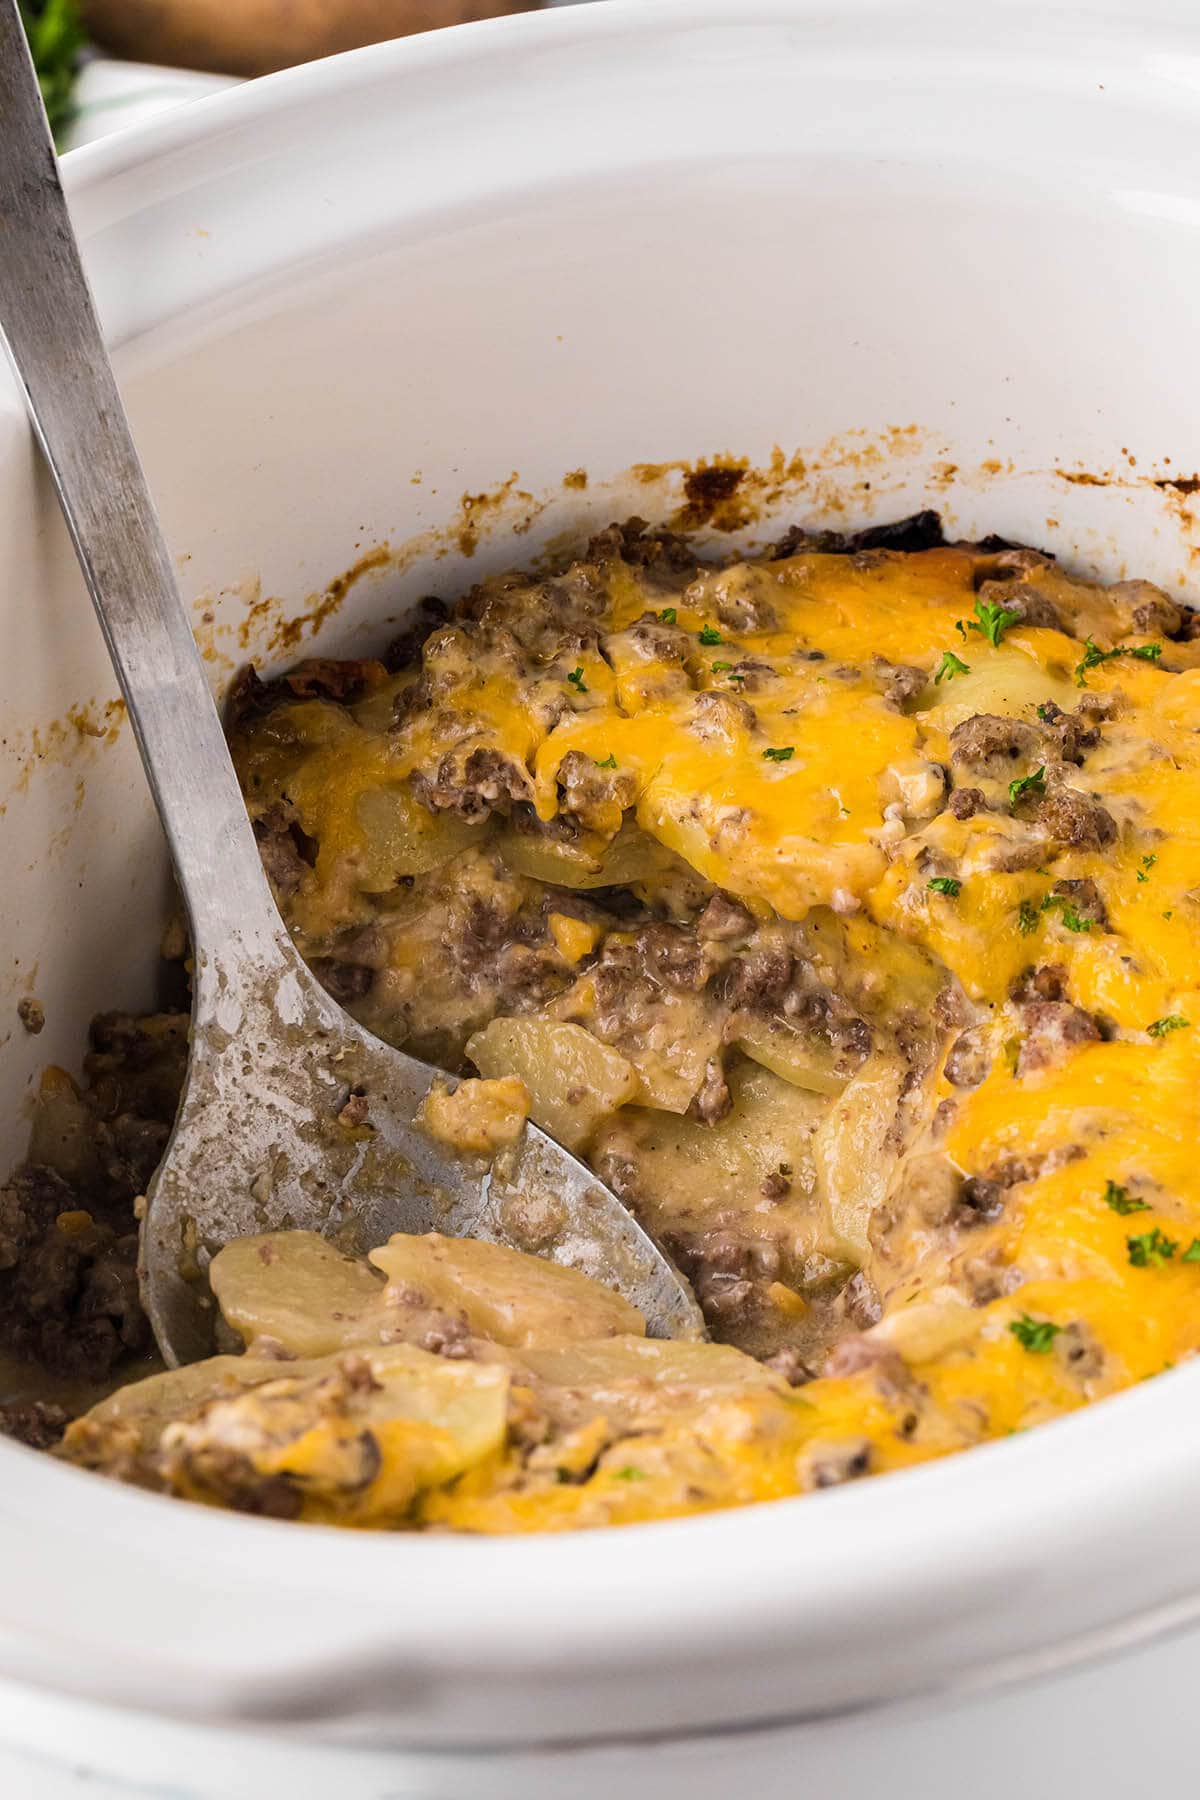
{"x":54,"y":341}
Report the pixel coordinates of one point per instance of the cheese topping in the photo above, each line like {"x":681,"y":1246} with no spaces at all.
{"x":841,"y":908}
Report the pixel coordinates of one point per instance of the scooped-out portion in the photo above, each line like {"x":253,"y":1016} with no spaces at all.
{"x":367,"y":1392}
{"x":838,"y":905}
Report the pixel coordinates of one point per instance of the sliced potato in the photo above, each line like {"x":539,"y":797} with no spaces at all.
{"x":792,"y":1055}
{"x":129,"y":1422}
{"x":693,"y":1177}
{"x":1004,"y":681}
{"x":299,"y":725}
{"x":636,"y":1381}
{"x":669,"y":1042}
{"x":738,"y":849}
{"x":299,"y":1290}
{"x":633,"y":857}
{"x":346,"y":1439}
{"x":574,"y":1081}
{"x":928,"y":1329}
{"x":854,"y":1157}
{"x":588,"y":861}
{"x":673,"y":1058}
{"x":504,"y":1294}
{"x":403,"y":838}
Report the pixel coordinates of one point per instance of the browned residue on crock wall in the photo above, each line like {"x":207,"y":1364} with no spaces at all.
{"x":476,"y":510}
{"x":289,"y":632}
{"x":85,"y":725}
{"x":269,"y":622}
{"x":1176,"y":490}
{"x":727,"y":492}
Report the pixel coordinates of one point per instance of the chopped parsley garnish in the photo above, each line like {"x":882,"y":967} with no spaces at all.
{"x":577,"y":682}
{"x":1034,"y":1335}
{"x":784,"y":754}
{"x":1122,"y":1201}
{"x":1032,"y":785}
{"x":946,"y":884}
{"x":950,"y":666}
{"x":1192,"y":1253}
{"x":629,"y":1473}
{"x":1027,"y":917}
{"x":1148,"y":863}
{"x":610,"y":762}
{"x":1043,"y":711}
{"x":1093,"y":656}
{"x":1152,"y":1250}
{"x":991,"y":621}
{"x":721,"y":668}
{"x":1173,"y":1022}
{"x":668,"y":615}
{"x":710,"y":635}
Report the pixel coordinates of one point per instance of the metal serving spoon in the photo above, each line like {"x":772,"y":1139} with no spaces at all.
{"x":258,"y":1144}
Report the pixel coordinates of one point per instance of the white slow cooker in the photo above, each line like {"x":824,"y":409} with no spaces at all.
{"x":368,"y":315}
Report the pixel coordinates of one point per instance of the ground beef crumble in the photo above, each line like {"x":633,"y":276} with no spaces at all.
{"x":68,"y":1235}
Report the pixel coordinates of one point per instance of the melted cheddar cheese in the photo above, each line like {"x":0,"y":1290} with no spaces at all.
{"x":842,"y":907}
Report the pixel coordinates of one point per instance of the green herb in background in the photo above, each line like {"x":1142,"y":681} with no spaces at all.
{"x":56,"y":39}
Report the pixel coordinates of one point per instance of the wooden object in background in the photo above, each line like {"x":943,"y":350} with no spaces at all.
{"x":251,"y":37}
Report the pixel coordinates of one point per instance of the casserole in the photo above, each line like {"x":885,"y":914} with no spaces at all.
{"x":862,"y":972}
{"x":1002,"y":396}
